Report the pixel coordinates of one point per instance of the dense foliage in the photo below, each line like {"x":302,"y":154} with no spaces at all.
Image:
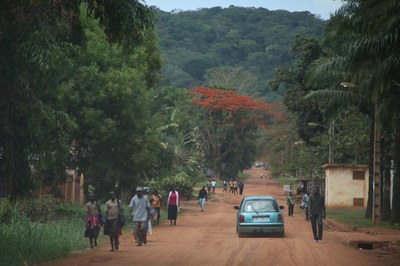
{"x":231,"y":47}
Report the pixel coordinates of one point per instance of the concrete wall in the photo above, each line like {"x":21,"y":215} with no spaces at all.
{"x":342,"y":190}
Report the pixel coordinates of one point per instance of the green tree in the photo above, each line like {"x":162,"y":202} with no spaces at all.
{"x":38,"y":42}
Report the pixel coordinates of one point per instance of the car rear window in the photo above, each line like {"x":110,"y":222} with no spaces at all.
{"x":260,"y":205}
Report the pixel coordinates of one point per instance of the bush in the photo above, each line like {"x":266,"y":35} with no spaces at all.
{"x":182,"y":182}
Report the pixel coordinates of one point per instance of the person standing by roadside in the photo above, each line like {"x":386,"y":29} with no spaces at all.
{"x":304,"y":203}
{"x":213,"y":185}
{"x":317,"y":213}
{"x":112,"y":227}
{"x":202,"y":198}
{"x":140,"y":206}
{"x":156,"y":204}
{"x":92,"y":209}
{"x":290,"y":203}
{"x":241,"y":187}
{"x":173,"y":205}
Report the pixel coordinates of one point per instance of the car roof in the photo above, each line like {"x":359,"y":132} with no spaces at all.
{"x":259,"y":197}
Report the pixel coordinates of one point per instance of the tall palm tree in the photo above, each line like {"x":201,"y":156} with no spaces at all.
{"x":364,"y":38}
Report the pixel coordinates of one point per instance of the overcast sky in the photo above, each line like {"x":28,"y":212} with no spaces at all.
{"x":322,"y":8}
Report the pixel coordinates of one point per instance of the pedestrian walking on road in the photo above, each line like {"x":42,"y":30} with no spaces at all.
{"x":213,"y":185}
{"x":290,"y":203}
{"x":209,"y":186}
{"x":225,"y":186}
{"x":317,"y":213}
{"x":173,"y":205}
{"x":140,"y":207}
{"x":235,"y":187}
{"x":202,"y":198}
{"x":93,"y":223}
{"x":230,"y":186}
{"x":241,"y":187}
{"x":156,"y":204}
{"x":304,"y":204}
{"x":112,"y":227}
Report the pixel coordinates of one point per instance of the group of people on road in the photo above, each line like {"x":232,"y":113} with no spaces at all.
{"x":145,"y":213}
{"x":314,"y":209}
{"x":233,"y":185}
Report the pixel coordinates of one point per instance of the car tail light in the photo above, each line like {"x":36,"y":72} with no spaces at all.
{"x":241,"y":218}
{"x":280,"y":218}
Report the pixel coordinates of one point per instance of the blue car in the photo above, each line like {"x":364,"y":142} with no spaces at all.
{"x":260,"y":214}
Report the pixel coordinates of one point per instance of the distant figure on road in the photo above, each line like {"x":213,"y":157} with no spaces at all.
{"x":230,"y":186}
{"x":304,"y":204}
{"x":93,"y":224}
{"x":317,"y":213}
{"x":235,"y":187}
{"x":173,"y":205}
{"x":241,"y":187}
{"x":213,"y":185}
{"x":140,"y":206}
{"x":202,"y":198}
{"x":225,"y":185}
{"x":209,"y":186}
{"x":290,"y":203}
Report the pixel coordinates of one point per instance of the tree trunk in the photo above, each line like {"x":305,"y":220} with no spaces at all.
{"x":395,"y":214}
{"x":368,"y":212}
{"x":386,"y":156}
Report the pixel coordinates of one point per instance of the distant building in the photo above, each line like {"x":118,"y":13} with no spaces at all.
{"x":346,"y":185}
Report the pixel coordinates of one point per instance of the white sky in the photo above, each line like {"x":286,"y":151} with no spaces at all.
{"x":323,"y":8}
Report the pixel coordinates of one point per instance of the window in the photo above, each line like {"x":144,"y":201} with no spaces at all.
{"x":358,"y":202}
{"x":358,"y":175}
{"x":260,"y":206}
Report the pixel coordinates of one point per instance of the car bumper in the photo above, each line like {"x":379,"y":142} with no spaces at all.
{"x":266,"y":228}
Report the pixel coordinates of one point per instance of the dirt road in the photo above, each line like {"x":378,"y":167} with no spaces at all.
{"x":209,"y":238}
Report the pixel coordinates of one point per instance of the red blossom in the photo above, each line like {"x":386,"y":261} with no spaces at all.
{"x":230,"y":101}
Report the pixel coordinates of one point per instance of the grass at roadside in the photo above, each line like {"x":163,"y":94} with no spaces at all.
{"x":25,"y":242}
{"x":355,"y":217}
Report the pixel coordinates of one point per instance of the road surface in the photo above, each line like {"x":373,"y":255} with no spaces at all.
{"x":209,"y":238}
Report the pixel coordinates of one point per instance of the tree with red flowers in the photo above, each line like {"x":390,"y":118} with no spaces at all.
{"x":229,"y":126}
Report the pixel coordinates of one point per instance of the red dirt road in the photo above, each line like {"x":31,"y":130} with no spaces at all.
{"x":209,"y":238}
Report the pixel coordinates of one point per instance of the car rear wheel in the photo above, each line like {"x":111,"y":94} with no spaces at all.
{"x":282,"y":234}
{"x":240,"y":234}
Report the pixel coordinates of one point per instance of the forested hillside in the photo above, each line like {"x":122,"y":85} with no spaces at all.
{"x":231,"y":47}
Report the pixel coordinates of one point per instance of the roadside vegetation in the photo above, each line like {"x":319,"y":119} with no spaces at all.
{"x":356,"y":218}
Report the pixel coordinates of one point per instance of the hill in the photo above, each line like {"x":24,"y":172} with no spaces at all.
{"x":232,"y":47}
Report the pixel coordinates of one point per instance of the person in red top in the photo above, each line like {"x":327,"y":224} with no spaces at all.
{"x":173,"y":205}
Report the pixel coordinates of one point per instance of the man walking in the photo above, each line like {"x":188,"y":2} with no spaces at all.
{"x":241,"y":187}
{"x":304,"y":203}
{"x":202,"y":198}
{"x":112,"y":227}
{"x":141,"y":209}
{"x":317,"y":212}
